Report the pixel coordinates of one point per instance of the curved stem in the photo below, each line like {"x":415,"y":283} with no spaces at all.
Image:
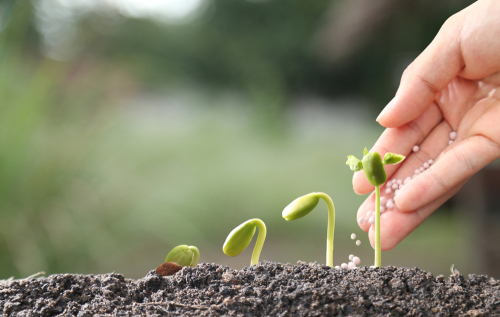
{"x":378,"y":251}
{"x":331,"y":228}
{"x":196,"y":255}
{"x":260,"y":241}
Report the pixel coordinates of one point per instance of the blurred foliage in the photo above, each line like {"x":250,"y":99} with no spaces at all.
{"x":266,"y":49}
{"x":146,"y":139}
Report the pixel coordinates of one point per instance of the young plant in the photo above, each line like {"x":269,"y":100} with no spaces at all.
{"x":373,"y":166}
{"x":184,"y":255}
{"x":239,"y":239}
{"x":302,"y":206}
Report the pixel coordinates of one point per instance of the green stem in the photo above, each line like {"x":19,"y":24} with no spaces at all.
{"x":196,"y":255}
{"x":331,"y":228}
{"x":378,"y":250}
{"x":260,"y":241}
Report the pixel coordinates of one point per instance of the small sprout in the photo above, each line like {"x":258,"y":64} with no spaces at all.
{"x":168,"y":268}
{"x":353,"y":236}
{"x":239,"y":239}
{"x":358,"y":243}
{"x":373,"y":165}
{"x":302,"y":206}
{"x":184,"y":255}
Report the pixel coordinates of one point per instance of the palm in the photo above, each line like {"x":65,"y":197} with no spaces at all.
{"x":470,"y":107}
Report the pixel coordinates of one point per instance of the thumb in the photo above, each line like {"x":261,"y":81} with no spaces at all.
{"x":430,"y":73}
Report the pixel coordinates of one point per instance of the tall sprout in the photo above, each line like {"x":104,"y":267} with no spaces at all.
{"x":373,"y":166}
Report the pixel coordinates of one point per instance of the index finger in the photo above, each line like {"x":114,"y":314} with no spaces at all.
{"x":430,"y":73}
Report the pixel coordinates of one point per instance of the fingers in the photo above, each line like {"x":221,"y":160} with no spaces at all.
{"x":454,"y":166}
{"x":432,"y":71}
{"x":395,"y":226}
{"x":400,"y":141}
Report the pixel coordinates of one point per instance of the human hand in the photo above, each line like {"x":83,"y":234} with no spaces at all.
{"x":452,"y":86}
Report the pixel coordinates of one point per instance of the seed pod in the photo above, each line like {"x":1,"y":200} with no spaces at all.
{"x":374,"y":168}
{"x":300,"y":207}
{"x":239,"y":239}
{"x":168,"y":268}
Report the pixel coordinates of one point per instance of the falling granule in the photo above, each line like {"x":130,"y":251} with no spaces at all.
{"x":344,"y":265}
{"x":356,"y":260}
{"x":351,"y":257}
{"x":416,"y":148}
{"x":351,"y":265}
{"x":453,"y":135}
{"x":358,"y":242}
{"x":353,"y":236}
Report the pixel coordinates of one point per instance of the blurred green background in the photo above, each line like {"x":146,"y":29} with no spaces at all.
{"x":130,"y":127}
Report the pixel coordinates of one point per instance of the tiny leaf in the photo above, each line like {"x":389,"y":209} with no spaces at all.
{"x":391,"y":158}
{"x":365,"y":151}
{"x":354,"y":164}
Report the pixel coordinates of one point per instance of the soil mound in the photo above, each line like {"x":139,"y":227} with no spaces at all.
{"x":267,"y":289}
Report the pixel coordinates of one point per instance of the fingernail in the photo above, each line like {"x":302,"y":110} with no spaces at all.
{"x":387,"y":108}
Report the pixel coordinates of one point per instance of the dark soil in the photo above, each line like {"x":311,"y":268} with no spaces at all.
{"x":268,"y":289}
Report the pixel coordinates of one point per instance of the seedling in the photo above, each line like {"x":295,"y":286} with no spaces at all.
{"x":302,"y":206}
{"x":239,"y":239}
{"x":373,"y":165}
{"x":184,"y":255}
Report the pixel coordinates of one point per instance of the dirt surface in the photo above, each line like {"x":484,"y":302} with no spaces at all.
{"x":268,"y":289}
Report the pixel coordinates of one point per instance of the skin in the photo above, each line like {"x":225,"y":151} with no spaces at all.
{"x":452,"y":86}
